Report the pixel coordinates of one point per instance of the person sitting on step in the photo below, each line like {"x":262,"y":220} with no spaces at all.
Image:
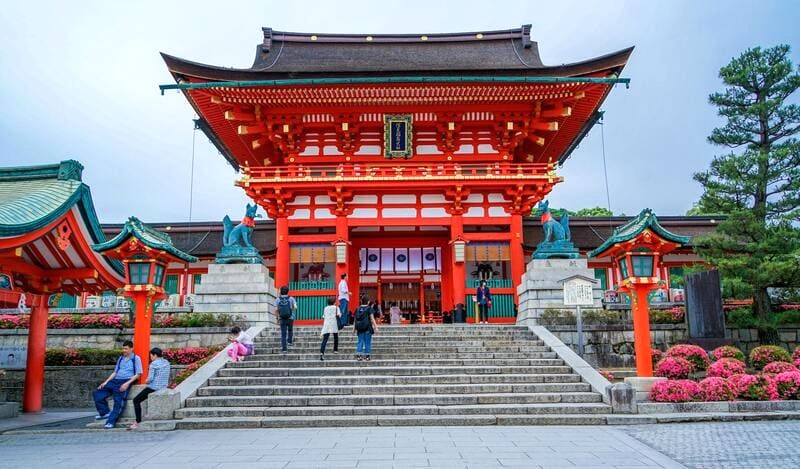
{"x":126,"y":372}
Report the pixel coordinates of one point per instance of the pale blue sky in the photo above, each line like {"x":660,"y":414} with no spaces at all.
{"x":80,"y":80}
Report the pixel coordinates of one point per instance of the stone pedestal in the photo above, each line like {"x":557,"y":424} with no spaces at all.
{"x":160,"y":405}
{"x":541,"y":287}
{"x":641,"y":386}
{"x":239,"y":290}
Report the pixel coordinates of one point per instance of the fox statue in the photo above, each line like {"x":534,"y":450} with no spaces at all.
{"x":241,"y":233}
{"x":554,"y":230}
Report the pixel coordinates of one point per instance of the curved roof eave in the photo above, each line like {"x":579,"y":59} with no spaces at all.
{"x":614,"y":61}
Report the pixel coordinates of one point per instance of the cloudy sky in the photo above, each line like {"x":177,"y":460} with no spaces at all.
{"x":80,"y":80}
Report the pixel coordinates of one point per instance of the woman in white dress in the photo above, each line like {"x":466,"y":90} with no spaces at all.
{"x":330,"y":326}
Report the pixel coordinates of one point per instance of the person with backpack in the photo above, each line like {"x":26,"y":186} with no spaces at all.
{"x":365,"y":326}
{"x":484,"y":298}
{"x":126,"y":372}
{"x":285,"y":306}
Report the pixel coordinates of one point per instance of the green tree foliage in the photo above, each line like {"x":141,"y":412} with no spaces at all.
{"x":757,"y":184}
{"x":594,"y":212}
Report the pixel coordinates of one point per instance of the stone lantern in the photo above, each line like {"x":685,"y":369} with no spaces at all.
{"x":146,"y":255}
{"x":636,"y":250}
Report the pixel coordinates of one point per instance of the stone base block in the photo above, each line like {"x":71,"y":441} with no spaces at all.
{"x":9,"y":410}
{"x":162,"y":405}
{"x":641,"y":386}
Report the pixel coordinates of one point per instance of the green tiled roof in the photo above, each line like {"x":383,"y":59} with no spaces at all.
{"x":32,"y":197}
{"x":646,"y":219}
{"x":148,"y":236}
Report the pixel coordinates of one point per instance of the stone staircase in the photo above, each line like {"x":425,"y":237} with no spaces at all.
{"x":418,"y":375}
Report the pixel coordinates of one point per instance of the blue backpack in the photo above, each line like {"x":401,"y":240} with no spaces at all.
{"x":284,"y":308}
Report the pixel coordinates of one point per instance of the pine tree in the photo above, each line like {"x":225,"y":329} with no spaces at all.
{"x":757,"y":184}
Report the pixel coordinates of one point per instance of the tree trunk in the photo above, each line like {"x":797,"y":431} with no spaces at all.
{"x":761,"y":307}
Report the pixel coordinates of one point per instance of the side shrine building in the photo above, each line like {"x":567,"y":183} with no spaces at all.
{"x":406,"y":161}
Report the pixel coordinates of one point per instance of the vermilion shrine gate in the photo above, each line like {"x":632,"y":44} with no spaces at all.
{"x":47,"y":227}
{"x":399,"y":150}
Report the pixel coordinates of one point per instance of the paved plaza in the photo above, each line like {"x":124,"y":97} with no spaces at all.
{"x":703,"y":445}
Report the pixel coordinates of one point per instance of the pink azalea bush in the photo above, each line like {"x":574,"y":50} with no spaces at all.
{"x":760,"y":356}
{"x":727,"y":351}
{"x":682,"y":390}
{"x":796,"y":354}
{"x":14,"y":321}
{"x":755,"y":387}
{"x":788,"y":384}
{"x":189,"y":355}
{"x":673,"y":368}
{"x":725,"y":368}
{"x":716,"y":389}
{"x":775,"y":368}
{"x":694,"y":354}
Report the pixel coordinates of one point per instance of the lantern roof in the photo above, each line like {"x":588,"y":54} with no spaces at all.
{"x":646,"y":220}
{"x":148,"y":236}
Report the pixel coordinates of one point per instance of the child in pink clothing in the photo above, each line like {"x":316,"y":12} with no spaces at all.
{"x":242,"y":344}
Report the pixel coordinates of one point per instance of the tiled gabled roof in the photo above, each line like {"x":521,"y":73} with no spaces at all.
{"x":148,"y":236}
{"x":645,"y":220}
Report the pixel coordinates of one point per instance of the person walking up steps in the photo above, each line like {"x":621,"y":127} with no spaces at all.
{"x":330,"y":326}
{"x":365,"y":326}
{"x":285,"y":306}
{"x":344,"y":302}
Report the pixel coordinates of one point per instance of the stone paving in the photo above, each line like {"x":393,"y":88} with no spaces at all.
{"x":698,"y":445}
{"x":732,"y":445}
{"x":382,"y":447}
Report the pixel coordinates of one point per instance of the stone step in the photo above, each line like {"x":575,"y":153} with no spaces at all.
{"x":536,"y":409}
{"x":231,"y":308}
{"x":285,"y":360}
{"x":388,"y":355}
{"x":390,"y":420}
{"x":486,"y":370}
{"x":232,"y":289}
{"x":404,"y":342}
{"x":390,"y":400}
{"x":393,"y":389}
{"x":405,"y":347}
{"x":261,"y":278}
{"x":389,"y":379}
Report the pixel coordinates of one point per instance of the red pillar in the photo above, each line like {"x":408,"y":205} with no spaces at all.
{"x":447,"y":275}
{"x":517,"y":254}
{"x":141,"y":330}
{"x":37,"y":344}
{"x":641,"y":331}
{"x":282,"y":254}
{"x":459,"y":271}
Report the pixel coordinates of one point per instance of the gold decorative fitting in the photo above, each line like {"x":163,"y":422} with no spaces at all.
{"x":314,"y":38}
{"x":345,"y":126}
{"x":369,"y":38}
{"x":479,"y":36}
{"x":424,"y":38}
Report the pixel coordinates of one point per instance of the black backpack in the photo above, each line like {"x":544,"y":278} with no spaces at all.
{"x":284,"y":307}
{"x":362,"y":318}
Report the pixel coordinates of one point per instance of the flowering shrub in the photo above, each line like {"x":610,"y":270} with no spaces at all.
{"x":764,"y":354}
{"x":181,"y":377}
{"x":606,"y":374}
{"x":725,"y":368}
{"x":796,"y":354}
{"x":775,"y":368}
{"x":14,"y":321}
{"x":755,"y":387}
{"x":727,"y":351}
{"x":694,"y":354}
{"x":673,"y":368}
{"x":788,"y":384}
{"x":78,"y":357}
{"x":656,"y":355}
{"x":101,"y":321}
{"x":716,"y":389}
{"x":667,"y":316}
{"x":682,"y":390}
{"x":186,"y":356}
{"x":195,"y":320}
